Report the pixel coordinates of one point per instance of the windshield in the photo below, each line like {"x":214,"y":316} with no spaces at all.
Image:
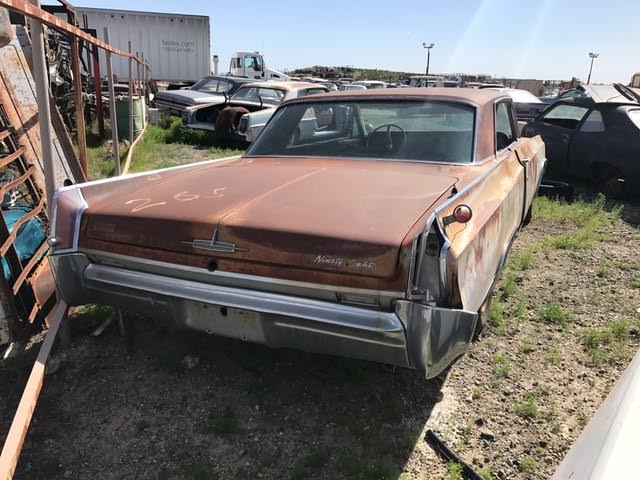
{"x":269,"y":96}
{"x":405,"y":130}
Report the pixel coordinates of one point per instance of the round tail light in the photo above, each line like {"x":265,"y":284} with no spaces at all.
{"x":462,"y":213}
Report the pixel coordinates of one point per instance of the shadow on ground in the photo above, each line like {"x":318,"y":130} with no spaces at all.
{"x":244,"y":411}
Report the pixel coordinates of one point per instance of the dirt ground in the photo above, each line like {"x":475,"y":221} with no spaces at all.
{"x":564,"y":324}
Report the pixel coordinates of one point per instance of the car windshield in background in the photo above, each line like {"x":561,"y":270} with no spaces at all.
{"x":269,"y":96}
{"x":405,"y":130}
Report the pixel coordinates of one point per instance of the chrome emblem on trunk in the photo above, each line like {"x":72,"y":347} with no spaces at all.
{"x":215,"y":245}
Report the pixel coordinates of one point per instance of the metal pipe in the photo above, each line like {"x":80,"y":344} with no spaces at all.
{"x":97,"y":83}
{"x":143,"y":83}
{"x":112,"y":108}
{"x":44,"y":113}
{"x":130,"y":97}
{"x":79,"y":105}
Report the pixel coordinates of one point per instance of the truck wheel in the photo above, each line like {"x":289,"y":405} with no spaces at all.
{"x":527,"y":218}
{"x":483,"y":316}
{"x":612,"y":183}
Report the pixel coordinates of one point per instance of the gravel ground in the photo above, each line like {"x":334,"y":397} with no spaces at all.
{"x":564,"y":325}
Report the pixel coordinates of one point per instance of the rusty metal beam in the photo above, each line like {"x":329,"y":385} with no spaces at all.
{"x":112,"y":109}
{"x":5,"y":133}
{"x":97,"y":82}
{"x":20,"y":425}
{"x":79,"y":105}
{"x":4,"y":161}
{"x":35,"y":12}
{"x":18,"y":181}
{"x":26,"y":270}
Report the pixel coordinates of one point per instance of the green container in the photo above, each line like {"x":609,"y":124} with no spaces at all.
{"x":122,"y":116}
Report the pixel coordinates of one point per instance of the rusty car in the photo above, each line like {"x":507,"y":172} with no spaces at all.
{"x":368,"y":224}
{"x":210,"y":88}
{"x":243,"y":115}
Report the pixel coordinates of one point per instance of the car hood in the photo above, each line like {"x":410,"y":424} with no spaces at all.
{"x":344,"y":216}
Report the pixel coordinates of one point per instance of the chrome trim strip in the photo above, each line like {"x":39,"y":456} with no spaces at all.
{"x":148,"y":172}
{"x":137,"y":262}
{"x":76,"y":222}
{"x":397,"y":160}
{"x":264,"y":302}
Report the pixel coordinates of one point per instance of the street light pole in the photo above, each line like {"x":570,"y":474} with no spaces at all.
{"x":593,"y":56}
{"x":428,"y":47}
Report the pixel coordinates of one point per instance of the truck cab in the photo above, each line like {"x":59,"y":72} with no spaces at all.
{"x":252,"y":65}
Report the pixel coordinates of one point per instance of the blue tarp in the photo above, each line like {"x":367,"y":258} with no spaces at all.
{"x":29,"y":238}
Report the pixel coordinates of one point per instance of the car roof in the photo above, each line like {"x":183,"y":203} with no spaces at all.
{"x":229,"y":77}
{"x":608,"y":94}
{"x":467,"y":95}
{"x":285,"y":85}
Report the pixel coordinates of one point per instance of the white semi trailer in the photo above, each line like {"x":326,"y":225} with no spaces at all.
{"x":177,"y":46}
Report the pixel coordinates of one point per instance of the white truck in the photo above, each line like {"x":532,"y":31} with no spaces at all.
{"x":251,"y":65}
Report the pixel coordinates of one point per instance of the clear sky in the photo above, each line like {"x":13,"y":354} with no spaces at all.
{"x":545,"y":39}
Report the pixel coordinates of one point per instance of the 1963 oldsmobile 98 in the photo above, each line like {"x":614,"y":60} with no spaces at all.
{"x":369,"y":224}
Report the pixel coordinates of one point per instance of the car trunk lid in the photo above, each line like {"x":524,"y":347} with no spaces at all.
{"x":344,"y":216}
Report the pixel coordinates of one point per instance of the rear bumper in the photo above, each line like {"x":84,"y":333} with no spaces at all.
{"x":415,"y":335}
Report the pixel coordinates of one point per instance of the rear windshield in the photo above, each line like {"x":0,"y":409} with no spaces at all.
{"x":430,"y":131}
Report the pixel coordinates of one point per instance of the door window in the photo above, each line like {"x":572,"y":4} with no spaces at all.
{"x":209,"y":85}
{"x":223,"y":86}
{"x":505,"y":135}
{"x":593,"y":122}
{"x":566,"y":116}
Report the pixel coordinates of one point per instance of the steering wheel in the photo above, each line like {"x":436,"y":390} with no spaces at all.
{"x":389,"y":146}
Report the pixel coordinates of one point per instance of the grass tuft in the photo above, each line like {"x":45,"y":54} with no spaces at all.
{"x":555,"y":314}
{"x":529,"y":408}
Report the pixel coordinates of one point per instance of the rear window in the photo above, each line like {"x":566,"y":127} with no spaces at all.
{"x":567,"y":116}
{"x":270,"y":96}
{"x":407,"y":130}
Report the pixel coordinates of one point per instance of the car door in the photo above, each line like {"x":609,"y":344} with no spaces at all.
{"x":557,"y":126}
{"x":588,"y":145}
{"x":531,"y":155}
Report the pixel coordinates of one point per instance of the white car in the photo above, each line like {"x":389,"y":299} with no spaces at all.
{"x":251,"y":124}
{"x":244,"y":115}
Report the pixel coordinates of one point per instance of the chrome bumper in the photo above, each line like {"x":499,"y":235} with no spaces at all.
{"x":414,"y":335}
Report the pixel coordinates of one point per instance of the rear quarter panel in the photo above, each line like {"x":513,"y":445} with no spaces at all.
{"x":478,"y":247}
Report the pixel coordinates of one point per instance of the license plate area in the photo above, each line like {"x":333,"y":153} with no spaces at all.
{"x":226,"y":321}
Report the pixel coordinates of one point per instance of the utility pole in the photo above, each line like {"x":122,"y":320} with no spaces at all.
{"x":428,"y":46}
{"x":593,"y":56}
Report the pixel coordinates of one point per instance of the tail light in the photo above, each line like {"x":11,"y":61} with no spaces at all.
{"x":462,"y":213}
{"x":68,"y":206}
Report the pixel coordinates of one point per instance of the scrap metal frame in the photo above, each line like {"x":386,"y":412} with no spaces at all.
{"x":26,"y":175}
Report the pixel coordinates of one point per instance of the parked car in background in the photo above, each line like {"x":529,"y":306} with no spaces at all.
{"x":595,"y":137}
{"x":331,"y":86}
{"x":368,"y":224}
{"x":528,"y":106}
{"x":371,"y":84}
{"x":350,"y":86}
{"x":578,"y":92}
{"x":243,"y":116}
{"x":175,"y":102}
{"x":426,"y":81}
{"x":481,"y":85}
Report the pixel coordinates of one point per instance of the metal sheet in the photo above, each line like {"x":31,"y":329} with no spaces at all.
{"x":17,"y":94}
